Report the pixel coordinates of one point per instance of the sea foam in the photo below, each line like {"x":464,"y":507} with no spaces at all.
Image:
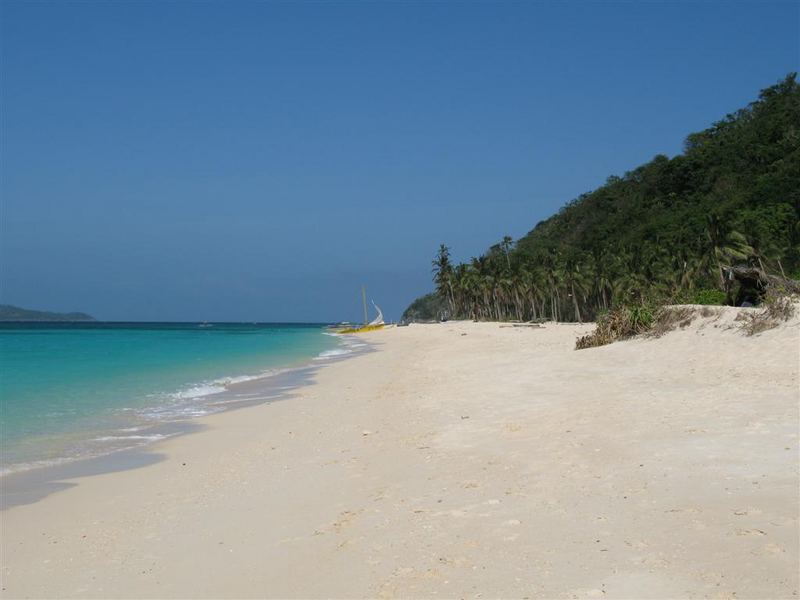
{"x":143,"y":378}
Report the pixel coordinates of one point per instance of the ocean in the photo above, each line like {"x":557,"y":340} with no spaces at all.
{"x":78,"y":390}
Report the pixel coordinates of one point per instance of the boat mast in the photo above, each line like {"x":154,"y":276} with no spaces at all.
{"x":364,"y":301}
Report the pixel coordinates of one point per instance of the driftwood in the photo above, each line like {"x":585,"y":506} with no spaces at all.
{"x":753,"y":284}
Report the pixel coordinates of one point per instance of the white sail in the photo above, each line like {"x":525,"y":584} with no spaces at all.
{"x":379,"y":319}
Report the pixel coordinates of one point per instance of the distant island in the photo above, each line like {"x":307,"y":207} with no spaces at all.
{"x":15,"y":313}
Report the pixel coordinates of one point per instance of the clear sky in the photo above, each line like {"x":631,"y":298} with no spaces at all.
{"x":260,"y":161}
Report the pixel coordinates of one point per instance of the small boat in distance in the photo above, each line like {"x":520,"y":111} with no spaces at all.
{"x":375,"y":324}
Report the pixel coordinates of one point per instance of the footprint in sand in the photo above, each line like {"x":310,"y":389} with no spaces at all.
{"x":747,"y":511}
{"x":769,"y":549}
{"x":345,"y":517}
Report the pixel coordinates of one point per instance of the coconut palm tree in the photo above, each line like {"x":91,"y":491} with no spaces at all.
{"x":723,"y":245}
{"x":443,"y":276}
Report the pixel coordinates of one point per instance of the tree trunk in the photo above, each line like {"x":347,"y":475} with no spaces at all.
{"x":575,"y":302}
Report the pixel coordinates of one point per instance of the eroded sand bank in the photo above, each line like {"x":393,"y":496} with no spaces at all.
{"x":459,"y":460}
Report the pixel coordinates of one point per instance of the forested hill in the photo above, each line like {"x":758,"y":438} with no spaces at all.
{"x":664,"y":229}
{"x":14,"y":313}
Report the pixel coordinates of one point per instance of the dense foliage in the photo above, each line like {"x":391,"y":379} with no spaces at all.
{"x":664,"y":230}
{"x":430,"y":307}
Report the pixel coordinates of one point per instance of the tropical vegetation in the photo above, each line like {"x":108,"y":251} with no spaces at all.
{"x":665,"y":230}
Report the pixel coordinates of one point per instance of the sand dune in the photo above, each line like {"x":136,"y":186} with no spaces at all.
{"x":460,"y":460}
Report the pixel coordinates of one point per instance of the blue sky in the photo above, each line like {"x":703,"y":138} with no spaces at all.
{"x":260,"y":161}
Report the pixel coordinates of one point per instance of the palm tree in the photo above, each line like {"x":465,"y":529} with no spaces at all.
{"x":506,"y":245}
{"x":443,"y":276}
{"x":552,"y":275}
{"x":601,"y":267}
{"x":574,"y":282}
{"x":723,"y":244}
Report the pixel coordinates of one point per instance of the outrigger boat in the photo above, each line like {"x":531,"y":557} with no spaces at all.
{"x":374,"y":325}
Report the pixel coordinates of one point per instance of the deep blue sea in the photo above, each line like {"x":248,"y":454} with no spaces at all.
{"x":77,"y":390}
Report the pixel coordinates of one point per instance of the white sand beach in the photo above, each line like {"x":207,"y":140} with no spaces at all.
{"x":459,"y":460}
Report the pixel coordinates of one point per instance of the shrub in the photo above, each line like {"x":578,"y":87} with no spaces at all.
{"x":669,"y":318}
{"x":618,"y":324}
{"x":640,"y":318}
{"x":629,"y":321}
{"x":709,"y":296}
{"x":778,"y":306}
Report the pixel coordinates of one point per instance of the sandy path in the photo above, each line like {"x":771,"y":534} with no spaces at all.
{"x":459,"y":460}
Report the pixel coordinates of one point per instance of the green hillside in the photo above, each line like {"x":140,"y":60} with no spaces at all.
{"x":14,"y":313}
{"x":663,"y":230}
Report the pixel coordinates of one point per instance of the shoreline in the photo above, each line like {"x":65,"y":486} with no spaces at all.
{"x":33,"y":483}
{"x":459,"y":459}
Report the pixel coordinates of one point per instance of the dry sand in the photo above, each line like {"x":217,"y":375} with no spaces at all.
{"x":459,"y":460}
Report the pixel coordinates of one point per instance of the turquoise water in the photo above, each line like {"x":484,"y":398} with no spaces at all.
{"x":77,"y":390}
